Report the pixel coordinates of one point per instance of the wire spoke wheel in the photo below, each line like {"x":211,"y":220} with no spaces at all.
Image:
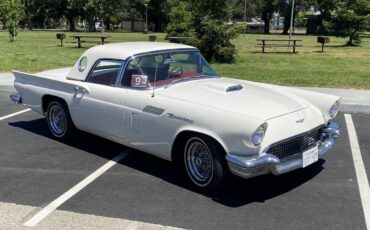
{"x":199,"y":162}
{"x":57,"y":119}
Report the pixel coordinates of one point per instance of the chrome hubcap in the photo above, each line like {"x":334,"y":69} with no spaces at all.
{"x":199,"y":162}
{"x":57,"y":119}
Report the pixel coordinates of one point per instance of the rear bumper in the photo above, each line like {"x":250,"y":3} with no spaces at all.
{"x":268,"y":163}
{"x":16,"y":97}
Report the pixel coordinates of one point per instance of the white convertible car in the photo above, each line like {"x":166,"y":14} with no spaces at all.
{"x":165,"y":99}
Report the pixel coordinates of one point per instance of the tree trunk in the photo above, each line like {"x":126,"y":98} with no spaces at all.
{"x":287,"y":17}
{"x":91,"y":20}
{"x":266,"y":18}
{"x":29,"y":22}
{"x":132,"y":24}
{"x":350,"y":41}
{"x":44,"y":25}
{"x":3,"y":20}
{"x":107,"y":23}
{"x":71,"y":20}
{"x":28,"y":17}
{"x":91,"y":23}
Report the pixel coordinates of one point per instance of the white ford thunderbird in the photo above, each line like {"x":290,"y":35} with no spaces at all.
{"x":165,"y":99}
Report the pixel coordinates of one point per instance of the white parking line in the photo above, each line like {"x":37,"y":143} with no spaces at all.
{"x":74,"y":190}
{"x":363,"y":183}
{"x":14,"y":114}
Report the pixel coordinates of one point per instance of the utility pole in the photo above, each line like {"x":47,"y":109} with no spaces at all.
{"x":146,"y":18}
{"x":291,"y":20}
{"x":245,"y":16}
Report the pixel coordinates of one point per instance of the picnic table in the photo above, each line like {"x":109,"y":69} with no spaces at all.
{"x":278,"y":42}
{"x":83,"y":39}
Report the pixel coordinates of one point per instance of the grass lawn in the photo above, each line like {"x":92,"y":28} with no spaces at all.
{"x":339,"y":66}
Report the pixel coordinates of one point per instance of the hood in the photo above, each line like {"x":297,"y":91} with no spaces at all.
{"x":242,"y":97}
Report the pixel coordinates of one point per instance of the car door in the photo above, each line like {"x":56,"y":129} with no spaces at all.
{"x":98,"y":106}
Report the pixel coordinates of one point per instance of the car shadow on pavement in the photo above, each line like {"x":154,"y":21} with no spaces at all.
{"x":83,"y":141}
{"x":240,"y":192}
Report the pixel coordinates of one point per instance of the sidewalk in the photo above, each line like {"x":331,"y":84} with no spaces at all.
{"x":6,"y":79}
{"x":353,"y":100}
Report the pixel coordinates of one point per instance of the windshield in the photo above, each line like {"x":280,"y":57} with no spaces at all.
{"x":166,"y":68}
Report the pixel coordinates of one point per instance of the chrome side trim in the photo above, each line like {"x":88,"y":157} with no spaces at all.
{"x":16,"y":97}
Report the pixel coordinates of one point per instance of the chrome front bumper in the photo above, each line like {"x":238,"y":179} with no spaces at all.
{"x":267,"y":163}
{"x":16,"y":97}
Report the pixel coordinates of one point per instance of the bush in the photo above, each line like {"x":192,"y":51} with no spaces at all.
{"x":203,"y":23}
{"x":180,"y":19}
{"x":214,"y":41}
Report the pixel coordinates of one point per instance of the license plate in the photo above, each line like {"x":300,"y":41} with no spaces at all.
{"x":310,"y":156}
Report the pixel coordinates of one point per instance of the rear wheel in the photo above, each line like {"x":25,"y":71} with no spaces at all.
{"x":59,"y":120}
{"x":205,"y":163}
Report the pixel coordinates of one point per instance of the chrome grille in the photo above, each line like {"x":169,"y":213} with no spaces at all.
{"x":293,"y":147}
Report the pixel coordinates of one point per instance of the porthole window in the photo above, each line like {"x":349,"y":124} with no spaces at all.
{"x":82,"y":64}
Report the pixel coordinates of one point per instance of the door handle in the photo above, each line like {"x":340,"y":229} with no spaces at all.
{"x":80,"y":89}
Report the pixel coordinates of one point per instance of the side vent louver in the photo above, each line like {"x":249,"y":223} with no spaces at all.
{"x":234,"y":88}
{"x":153,"y":110}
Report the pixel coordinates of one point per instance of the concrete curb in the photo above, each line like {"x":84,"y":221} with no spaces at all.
{"x":353,"y":100}
{"x":354,"y":108}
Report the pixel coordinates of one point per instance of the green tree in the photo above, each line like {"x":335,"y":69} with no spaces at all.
{"x":215,"y":41}
{"x":325,"y":7}
{"x":252,"y":9}
{"x":28,"y":8}
{"x":72,"y":10}
{"x":12,"y":10}
{"x":212,"y":35}
{"x":348,"y":19}
{"x":285,"y":8}
{"x":158,"y":14}
{"x":43,"y":12}
{"x":267,"y":9}
{"x":180,"y":19}
{"x":106,"y":11}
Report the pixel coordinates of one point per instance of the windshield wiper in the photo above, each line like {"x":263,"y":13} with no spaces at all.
{"x":174,"y":81}
{"x":181,"y":79}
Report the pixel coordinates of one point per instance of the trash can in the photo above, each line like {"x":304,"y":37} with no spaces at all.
{"x":61,"y":37}
{"x":323,"y":40}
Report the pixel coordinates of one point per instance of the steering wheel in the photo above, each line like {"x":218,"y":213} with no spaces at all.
{"x":176,"y":72}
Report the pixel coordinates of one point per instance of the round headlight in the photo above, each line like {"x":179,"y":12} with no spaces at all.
{"x":259,"y":134}
{"x":334,"y":109}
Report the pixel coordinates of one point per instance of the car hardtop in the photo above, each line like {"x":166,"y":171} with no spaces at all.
{"x":119,"y":51}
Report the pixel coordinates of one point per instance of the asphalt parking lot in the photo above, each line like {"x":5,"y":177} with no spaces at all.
{"x":35,"y":170}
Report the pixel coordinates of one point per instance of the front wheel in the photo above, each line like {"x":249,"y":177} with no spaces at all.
{"x":59,"y":120}
{"x":205,"y":164}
